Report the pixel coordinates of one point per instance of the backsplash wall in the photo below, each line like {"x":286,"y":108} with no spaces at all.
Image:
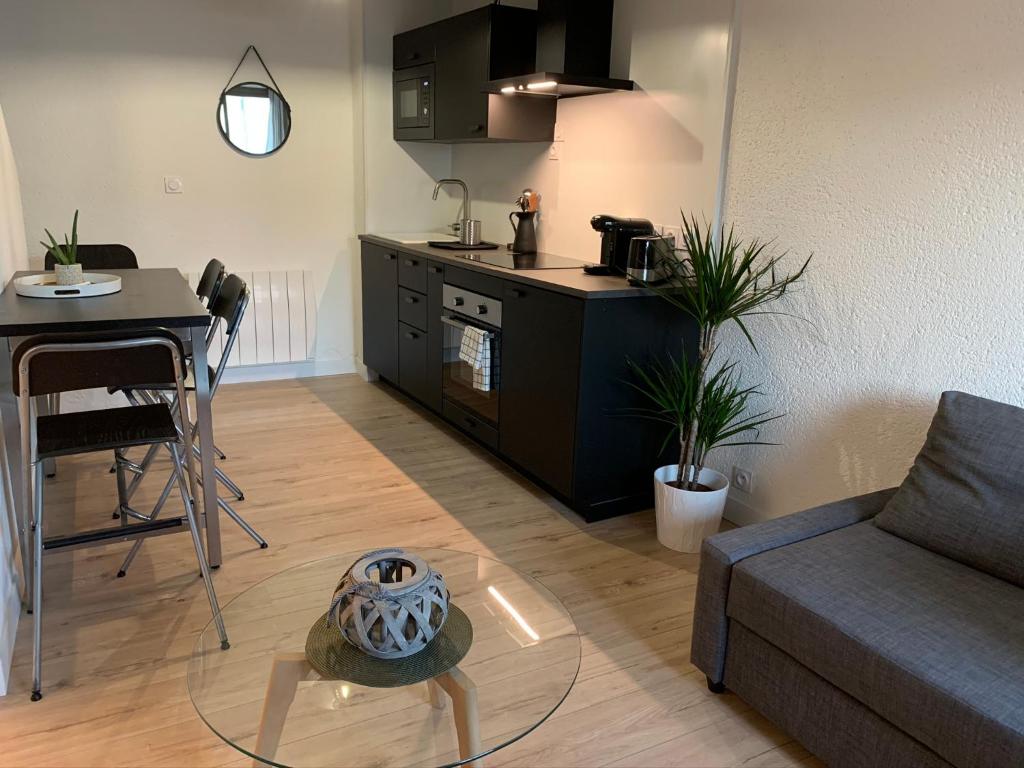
{"x":642,"y":154}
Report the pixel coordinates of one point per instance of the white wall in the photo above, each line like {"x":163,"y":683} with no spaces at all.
{"x":396,"y":179}
{"x":106,"y":97}
{"x":884,"y":137}
{"x":646,"y":154}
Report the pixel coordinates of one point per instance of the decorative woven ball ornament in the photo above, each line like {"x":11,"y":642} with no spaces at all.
{"x":390,"y":604}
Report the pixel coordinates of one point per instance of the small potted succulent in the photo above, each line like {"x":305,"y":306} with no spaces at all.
{"x":714,"y":280}
{"x":65,"y":257}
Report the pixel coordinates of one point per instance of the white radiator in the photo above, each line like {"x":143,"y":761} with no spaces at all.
{"x":279,"y":325}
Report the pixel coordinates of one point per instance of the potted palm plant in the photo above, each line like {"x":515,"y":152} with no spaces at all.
{"x":716,"y":281}
{"x":65,"y":257}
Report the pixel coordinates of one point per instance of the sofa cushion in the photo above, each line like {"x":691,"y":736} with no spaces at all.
{"x":964,"y":496}
{"x":931,"y":645}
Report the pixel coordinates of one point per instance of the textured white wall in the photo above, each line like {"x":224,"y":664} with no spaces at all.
{"x":106,"y":97}
{"x":886,"y":138}
{"x":644,"y":154}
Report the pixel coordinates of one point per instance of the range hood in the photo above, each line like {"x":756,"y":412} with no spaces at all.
{"x":574,"y":42}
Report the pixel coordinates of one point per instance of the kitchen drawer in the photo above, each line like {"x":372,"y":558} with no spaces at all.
{"x":412,"y":272}
{"x":470,"y":424}
{"x":417,"y":46}
{"x":412,"y":361}
{"x":471,"y":280}
{"x":412,"y":308}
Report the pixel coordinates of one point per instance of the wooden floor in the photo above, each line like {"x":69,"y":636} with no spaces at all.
{"x":331,"y":465}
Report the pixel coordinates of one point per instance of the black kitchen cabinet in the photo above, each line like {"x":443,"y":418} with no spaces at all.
{"x":567,"y":407}
{"x":380,"y":310}
{"x":415,"y":47}
{"x":412,"y":361}
{"x":491,"y":42}
{"x":540,"y":364}
{"x":435,"y":335}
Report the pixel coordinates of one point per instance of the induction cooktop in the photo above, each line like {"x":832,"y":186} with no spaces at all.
{"x":509,"y":260}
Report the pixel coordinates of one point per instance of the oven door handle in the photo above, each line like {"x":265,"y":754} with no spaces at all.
{"x":463,"y":326}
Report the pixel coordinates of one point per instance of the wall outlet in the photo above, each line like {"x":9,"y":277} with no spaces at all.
{"x":555,"y":151}
{"x":173,"y":185}
{"x":559,"y":136}
{"x":676,"y":233}
{"x":743,"y":479}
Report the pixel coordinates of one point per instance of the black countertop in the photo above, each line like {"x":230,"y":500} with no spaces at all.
{"x":574,"y":282}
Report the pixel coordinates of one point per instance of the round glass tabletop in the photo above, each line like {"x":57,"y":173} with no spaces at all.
{"x":262,"y":698}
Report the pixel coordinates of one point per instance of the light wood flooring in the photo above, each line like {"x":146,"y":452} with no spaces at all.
{"x":331,"y":465}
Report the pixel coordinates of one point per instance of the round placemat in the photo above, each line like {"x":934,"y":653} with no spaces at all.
{"x":336,"y":659}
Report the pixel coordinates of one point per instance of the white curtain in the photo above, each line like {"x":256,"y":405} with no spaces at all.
{"x":13,"y":247}
{"x":13,"y":256}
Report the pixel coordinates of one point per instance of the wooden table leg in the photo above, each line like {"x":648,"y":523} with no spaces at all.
{"x":437,"y":700}
{"x":462,"y":691}
{"x":288,"y":670}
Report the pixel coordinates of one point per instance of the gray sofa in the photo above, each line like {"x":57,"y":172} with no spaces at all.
{"x":886,"y":629}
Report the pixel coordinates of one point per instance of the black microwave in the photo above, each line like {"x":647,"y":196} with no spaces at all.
{"x":414,"y":103}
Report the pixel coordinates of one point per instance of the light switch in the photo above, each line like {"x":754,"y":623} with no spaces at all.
{"x":173,"y":185}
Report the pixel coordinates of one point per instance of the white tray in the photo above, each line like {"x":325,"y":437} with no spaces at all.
{"x":44,"y":286}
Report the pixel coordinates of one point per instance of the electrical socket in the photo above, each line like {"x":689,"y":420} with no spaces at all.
{"x":555,"y":151}
{"x":676,"y":233}
{"x":743,"y":479}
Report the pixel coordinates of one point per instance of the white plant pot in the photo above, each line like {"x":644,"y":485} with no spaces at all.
{"x":686,"y":518}
{"x":68,"y":274}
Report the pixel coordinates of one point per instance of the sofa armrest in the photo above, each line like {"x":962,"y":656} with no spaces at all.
{"x":724,"y":550}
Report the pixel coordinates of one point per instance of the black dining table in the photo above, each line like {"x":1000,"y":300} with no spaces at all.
{"x":149,"y":298}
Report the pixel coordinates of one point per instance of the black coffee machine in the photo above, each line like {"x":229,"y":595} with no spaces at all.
{"x":615,"y":236}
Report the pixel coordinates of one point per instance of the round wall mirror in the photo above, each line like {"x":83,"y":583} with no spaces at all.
{"x":254,"y":119}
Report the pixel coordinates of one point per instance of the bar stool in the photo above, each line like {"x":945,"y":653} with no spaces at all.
{"x":92,"y":257}
{"x":229,"y":307}
{"x":106,"y":256}
{"x":210,"y":282}
{"x":54,"y":363}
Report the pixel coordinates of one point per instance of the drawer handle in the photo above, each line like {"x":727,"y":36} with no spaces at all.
{"x":389,"y":257}
{"x":516,"y":293}
{"x":435,"y":269}
{"x":411,"y":300}
{"x":469,"y":422}
{"x":411,"y":335}
{"x":411,"y":262}
{"x":476,"y":128}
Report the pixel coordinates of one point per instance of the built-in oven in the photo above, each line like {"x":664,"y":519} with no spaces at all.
{"x":471,"y":361}
{"x":414,"y":102}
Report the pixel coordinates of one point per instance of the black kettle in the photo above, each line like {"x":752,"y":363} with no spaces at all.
{"x":526,"y":231}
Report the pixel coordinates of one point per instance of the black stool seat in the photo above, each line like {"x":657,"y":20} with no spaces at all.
{"x":69,"y":433}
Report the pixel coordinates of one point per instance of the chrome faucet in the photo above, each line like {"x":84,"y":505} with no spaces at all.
{"x":468,"y":228}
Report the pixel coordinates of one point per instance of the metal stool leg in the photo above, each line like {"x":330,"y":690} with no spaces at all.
{"x":37,"y":587}
{"x":204,"y":566}
{"x":229,"y":484}
{"x":27,"y":419}
{"x":137,"y":545}
{"x":122,"y":488}
{"x":242,"y":523}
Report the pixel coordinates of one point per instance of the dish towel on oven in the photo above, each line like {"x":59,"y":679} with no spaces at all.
{"x":476,"y":350}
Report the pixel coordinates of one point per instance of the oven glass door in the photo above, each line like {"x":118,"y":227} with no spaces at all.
{"x":473,"y":386}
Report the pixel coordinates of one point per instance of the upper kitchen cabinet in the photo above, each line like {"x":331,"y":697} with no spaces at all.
{"x":441,"y":76}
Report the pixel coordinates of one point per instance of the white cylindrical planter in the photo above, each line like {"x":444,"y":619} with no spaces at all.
{"x":686,"y":518}
{"x":68,"y":274}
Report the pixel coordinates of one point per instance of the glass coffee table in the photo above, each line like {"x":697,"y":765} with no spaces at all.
{"x":264,"y":699}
